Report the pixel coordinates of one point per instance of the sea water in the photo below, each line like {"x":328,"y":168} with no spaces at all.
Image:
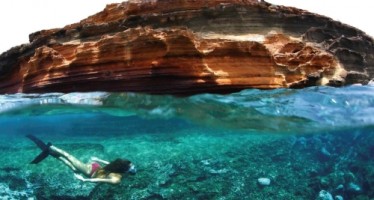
{"x":304,"y":143}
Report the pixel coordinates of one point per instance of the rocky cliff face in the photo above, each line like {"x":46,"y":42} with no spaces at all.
{"x":190,"y":46}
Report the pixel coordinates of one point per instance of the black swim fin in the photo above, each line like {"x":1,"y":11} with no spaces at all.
{"x":44,"y":147}
{"x":38,"y":142}
{"x":40,"y":157}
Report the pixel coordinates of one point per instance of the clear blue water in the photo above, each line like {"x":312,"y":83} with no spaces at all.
{"x":277,"y":111}
{"x":205,"y":146}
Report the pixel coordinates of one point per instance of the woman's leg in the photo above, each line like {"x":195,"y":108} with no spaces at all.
{"x":74,"y":162}
{"x":68,"y":163}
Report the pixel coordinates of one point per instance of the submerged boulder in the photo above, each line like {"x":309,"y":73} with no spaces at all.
{"x":189,"y":46}
{"x":324,"y":195}
{"x":263,"y":181}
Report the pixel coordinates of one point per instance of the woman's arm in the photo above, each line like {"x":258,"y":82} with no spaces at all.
{"x":111,"y":179}
{"x":99,"y":160}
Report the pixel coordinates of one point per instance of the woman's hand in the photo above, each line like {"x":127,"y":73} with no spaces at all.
{"x":80,"y":177}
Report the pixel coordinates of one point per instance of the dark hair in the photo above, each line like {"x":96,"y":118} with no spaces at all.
{"x":118,"y":166}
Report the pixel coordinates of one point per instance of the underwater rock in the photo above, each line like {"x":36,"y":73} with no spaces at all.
{"x":324,"y":182}
{"x":349,"y":177}
{"x":188,"y":46}
{"x":338,"y":197}
{"x":324,"y":195}
{"x":324,"y":154}
{"x":340,"y":188}
{"x":165,"y":173}
{"x":302,"y":142}
{"x":353,"y":188}
{"x":264,"y":181}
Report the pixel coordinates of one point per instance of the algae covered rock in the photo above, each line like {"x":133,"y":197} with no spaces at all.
{"x":324,"y":195}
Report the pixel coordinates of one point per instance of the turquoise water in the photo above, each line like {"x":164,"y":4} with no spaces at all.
{"x":205,"y":146}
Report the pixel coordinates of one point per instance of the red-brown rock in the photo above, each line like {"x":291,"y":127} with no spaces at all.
{"x":190,"y":46}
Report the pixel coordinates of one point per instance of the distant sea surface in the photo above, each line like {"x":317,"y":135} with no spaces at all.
{"x":208,"y":146}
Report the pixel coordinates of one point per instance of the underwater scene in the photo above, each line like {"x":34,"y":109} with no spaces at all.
{"x":314,"y":143}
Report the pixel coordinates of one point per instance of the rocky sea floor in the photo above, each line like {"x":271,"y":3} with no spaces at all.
{"x":192,"y":162}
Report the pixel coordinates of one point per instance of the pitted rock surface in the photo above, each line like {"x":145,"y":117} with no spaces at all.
{"x":188,"y":47}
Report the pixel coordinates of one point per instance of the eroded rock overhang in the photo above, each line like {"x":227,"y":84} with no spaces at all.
{"x":186,"y":47}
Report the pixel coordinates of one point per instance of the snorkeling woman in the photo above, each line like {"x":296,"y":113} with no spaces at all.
{"x":97,"y":171}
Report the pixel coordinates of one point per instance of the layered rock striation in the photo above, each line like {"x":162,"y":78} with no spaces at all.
{"x":190,"y":46}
